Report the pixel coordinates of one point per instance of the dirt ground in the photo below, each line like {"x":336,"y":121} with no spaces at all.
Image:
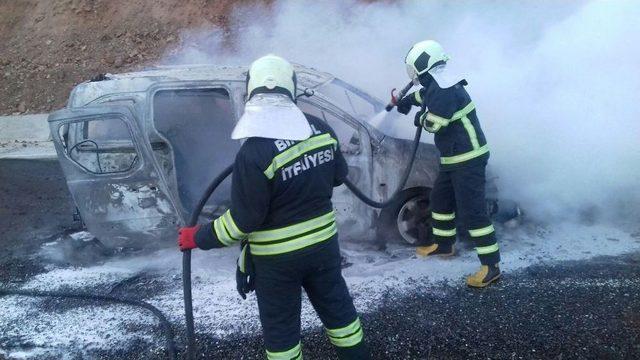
{"x":49,"y":46}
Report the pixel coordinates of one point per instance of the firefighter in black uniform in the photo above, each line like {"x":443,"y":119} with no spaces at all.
{"x":459,"y":191}
{"x":281,"y":211}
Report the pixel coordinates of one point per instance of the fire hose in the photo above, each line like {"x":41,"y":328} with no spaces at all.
{"x":167,"y":331}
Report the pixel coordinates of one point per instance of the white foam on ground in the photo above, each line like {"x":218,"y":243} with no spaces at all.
{"x":48,"y":333}
{"x":220,"y":312}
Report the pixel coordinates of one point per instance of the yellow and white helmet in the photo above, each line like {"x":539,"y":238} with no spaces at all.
{"x":423,"y":56}
{"x":270,"y":111}
{"x":271,"y":74}
{"x":429,"y":56}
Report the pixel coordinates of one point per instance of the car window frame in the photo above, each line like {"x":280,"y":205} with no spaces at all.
{"x":77,"y":133}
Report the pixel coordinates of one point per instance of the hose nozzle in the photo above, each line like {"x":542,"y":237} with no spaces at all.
{"x":395,"y":98}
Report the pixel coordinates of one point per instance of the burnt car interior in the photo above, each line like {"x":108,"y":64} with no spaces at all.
{"x":196,"y":124}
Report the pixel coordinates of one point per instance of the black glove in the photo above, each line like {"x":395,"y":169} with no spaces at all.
{"x":245,"y":274}
{"x":404,"y":105}
{"x":245,"y":283}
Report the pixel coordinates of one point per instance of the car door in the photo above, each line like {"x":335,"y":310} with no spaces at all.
{"x":355,"y":218}
{"x":111,"y":175}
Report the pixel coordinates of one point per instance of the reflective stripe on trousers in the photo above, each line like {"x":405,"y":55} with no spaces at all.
{"x":346,"y":336}
{"x":295,"y":353}
{"x":443,"y":227}
{"x":485,"y":238}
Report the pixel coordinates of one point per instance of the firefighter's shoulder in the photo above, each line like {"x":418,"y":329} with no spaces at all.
{"x":259,"y":151}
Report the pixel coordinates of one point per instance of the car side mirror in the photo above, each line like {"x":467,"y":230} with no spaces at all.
{"x":306,"y":93}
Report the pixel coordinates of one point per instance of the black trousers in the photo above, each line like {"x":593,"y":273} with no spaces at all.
{"x":459,"y":196}
{"x":279,"y":282}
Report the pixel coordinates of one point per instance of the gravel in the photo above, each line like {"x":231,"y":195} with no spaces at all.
{"x":573,"y":310}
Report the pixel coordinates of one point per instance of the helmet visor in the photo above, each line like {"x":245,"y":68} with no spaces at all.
{"x":411,"y":71}
{"x":272,"y":116}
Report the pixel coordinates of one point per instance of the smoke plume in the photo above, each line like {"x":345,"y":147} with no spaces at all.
{"x":555,"y":83}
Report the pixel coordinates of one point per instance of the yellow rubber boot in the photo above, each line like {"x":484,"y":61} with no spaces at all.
{"x":434,"y":249}
{"x":485,"y":276}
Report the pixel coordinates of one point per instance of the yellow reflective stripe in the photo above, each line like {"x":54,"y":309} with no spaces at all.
{"x":432,"y":129}
{"x":423,"y":117}
{"x":296,"y":151}
{"x":293,"y":353}
{"x":442,"y":217}
{"x":463,"y":112}
{"x":441,"y":232}
{"x":294,"y":244}
{"x":344,"y":331}
{"x":241,"y":259}
{"x":482,"y":231}
{"x":456,"y":116}
{"x":292,"y":230}
{"x":417,"y":97}
{"x":466,"y":156}
{"x":221,"y":232}
{"x":348,"y":341}
{"x":483,"y":250}
{"x":437,"y":119}
{"x":471,"y":131}
{"x":231,"y":226}
{"x":347,"y":336}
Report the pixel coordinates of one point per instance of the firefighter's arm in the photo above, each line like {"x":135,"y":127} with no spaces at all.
{"x":414,"y":99}
{"x":250,"y":195}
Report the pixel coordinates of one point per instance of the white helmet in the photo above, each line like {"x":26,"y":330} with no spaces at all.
{"x":429,"y":56}
{"x":270,"y":111}
{"x":271,"y":74}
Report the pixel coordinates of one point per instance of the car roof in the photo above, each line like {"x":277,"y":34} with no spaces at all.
{"x":308,"y":76}
{"x":140,"y":81}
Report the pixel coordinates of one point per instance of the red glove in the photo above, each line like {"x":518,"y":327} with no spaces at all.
{"x":187,"y":237}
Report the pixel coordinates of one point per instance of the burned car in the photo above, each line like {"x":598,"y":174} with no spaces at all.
{"x":139,"y":149}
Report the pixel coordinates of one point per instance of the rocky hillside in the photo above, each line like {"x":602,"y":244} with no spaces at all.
{"x":49,"y":46}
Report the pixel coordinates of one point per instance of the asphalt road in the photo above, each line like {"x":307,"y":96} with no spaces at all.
{"x":35,"y":206}
{"x":572,"y":310}
{"x":588,"y":309}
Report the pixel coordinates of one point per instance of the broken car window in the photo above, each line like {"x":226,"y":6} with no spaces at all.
{"x":348,"y":135}
{"x":351,"y":100}
{"x":101,"y":146}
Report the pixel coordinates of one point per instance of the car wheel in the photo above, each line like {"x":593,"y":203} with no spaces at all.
{"x":408,"y":221}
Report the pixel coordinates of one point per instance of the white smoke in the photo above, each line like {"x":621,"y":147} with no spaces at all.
{"x":555,"y":83}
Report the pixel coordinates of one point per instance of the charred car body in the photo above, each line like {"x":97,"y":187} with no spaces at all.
{"x":138,"y":150}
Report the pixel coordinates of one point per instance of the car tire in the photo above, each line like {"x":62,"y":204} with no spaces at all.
{"x":408,"y":220}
